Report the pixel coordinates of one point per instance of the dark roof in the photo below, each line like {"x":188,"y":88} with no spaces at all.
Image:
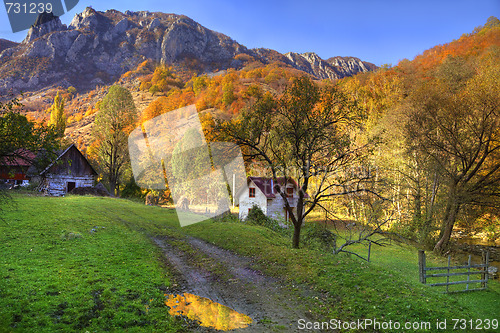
{"x":64,"y":153}
{"x":267,"y":186}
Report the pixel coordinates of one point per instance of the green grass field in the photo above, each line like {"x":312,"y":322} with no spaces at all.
{"x":87,"y":264}
{"x":387,"y":288}
{"x":75,"y":264}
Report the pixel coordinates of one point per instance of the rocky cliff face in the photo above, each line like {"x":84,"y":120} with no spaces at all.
{"x":5,"y":44}
{"x":45,"y":24}
{"x":333,"y":68}
{"x":310,"y":62}
{"x":97,"y":47}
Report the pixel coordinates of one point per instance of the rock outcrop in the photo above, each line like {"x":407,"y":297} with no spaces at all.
{"x":5,"y":44}
{"x":45,"y":24}
{"x":97,"y":47}
{"x":333,"y":68}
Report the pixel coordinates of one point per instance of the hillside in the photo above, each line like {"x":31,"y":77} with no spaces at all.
{"x":98,"y":49}
{"x":416,"y":110}
{"x":381,"y":90}
{"x":176,"y":85}
{"x":105,"y":264}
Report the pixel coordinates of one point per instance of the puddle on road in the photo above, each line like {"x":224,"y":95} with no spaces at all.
{"x":207,"y":312}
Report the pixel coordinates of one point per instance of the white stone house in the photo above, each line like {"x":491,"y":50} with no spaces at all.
{"x":263,"y":192}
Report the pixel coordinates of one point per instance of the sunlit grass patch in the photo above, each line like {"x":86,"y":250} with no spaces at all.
{"x":387,"y":288}
{"x":75,"y":264}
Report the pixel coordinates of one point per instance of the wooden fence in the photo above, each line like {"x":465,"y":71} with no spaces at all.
{"x":483,"y":272}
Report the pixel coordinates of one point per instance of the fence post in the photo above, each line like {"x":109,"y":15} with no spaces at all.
{"x":484,"y":275}
{"x":485,"y":269}
{"x":448,"y":276}
{"x":421,"y":265}
{"x":468,"y":271}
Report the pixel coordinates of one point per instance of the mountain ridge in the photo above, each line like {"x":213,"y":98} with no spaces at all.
{"x":97,"y":47}
{"x":5,"y":44}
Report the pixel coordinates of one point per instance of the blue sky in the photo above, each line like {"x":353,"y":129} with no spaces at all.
{"x":379,"y":31}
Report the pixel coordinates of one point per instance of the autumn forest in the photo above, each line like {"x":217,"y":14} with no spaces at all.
{"x":425,"y":133}
{"x":412,"y":148}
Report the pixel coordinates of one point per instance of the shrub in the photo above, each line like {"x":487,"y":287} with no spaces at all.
{"x":318,"y":236}
{"x":131,"y":190}
{"x":229,"y":218}
{"x":90,"y":111}
{"x":78,"y":117}
{"x":257,"y":217}
{"x":154,"y":89}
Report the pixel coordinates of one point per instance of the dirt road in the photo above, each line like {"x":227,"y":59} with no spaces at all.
{"x":226,"y":278}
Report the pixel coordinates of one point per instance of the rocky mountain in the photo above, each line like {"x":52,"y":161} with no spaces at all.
{"x":333,"y":68}
{"x":5,"y":44}
{"x":97,"y":47}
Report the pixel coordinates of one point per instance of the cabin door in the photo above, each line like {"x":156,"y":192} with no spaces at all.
{"x":70,"y":186}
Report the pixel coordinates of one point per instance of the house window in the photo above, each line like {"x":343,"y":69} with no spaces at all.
{"x":289,"y":192}
{"x":251,"y":192}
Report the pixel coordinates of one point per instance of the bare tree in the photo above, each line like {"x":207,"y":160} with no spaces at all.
{"x":306,"y":134}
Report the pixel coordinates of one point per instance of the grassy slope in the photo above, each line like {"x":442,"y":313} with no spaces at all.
{"x":386,"y":289}
{"x":113,"y":278}
{"x":105,"y":280}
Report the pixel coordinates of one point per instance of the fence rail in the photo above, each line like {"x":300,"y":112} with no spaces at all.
{"x":423,"y":269}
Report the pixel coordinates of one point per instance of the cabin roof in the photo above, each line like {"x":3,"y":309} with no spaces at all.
{"x":64,"y":153}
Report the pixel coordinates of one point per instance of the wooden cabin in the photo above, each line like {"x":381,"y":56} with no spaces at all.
{"x":70,"y":170}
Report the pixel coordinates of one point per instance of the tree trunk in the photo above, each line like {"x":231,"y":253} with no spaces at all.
{"x":296,"y":236}
{"x":430,"y":205}
{"x":452,"y":209}
{"x":417,"y":211}
{"x":112,"y":185}
{"x":429,"y":213}
{"x":297,"y":225}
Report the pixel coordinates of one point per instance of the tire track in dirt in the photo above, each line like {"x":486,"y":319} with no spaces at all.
{"x":228,"y":279}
